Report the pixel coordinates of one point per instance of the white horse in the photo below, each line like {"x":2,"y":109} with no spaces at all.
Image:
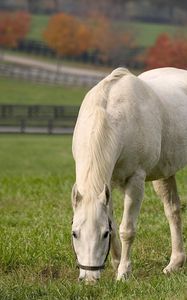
{"x":129,"y":130}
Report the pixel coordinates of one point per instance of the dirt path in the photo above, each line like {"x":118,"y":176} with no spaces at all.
{"x":51,"y":67}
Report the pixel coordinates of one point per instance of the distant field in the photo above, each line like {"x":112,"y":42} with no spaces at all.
{"x":145,"y":33}
{"x":36,"y":258}
{"x":38,"y":25}
{"x":15,"y":91}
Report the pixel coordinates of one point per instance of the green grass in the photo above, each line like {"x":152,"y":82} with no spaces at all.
{"x":145,"y":33}
{"x":38,"y":25}
{"x":36,"y":259}
{"x":15,"y":91}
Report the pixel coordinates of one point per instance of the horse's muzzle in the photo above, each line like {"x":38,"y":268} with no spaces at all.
{"x":89,"y":277}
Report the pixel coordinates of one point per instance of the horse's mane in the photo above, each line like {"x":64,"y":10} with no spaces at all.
{"x":102,"y":142}
{"x":116,"y":74}
{"x":101,"y":151}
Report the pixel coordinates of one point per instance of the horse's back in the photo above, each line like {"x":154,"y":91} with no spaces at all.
{"x":170,"y":85}
{"x":167,"y":83}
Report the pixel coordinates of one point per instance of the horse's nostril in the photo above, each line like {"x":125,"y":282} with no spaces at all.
{"x":80,"y":279}
{"x":92,"y":280}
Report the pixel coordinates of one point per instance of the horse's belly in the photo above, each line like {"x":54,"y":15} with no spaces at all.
{"x":173,"y":157}
{"x":169,"y":164}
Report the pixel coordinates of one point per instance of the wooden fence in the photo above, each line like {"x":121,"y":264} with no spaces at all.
{"x":40,"y":75}
{"x":51,"y":119}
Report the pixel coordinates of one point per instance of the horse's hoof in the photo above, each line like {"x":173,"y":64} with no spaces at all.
{"x":123,"y":277}
{"x":124,"y":271}
{"x":175,"y":264}
{"x":171,"y":268}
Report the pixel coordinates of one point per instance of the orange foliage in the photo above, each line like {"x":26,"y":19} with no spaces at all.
{"x":13,"y":28}
{"x":167,"y":52}
{"x":101,"y":35}
{"x":67,"y":35}
{"x":106,"y":40}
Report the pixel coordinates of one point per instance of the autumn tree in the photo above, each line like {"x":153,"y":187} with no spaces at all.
{"x":110,"y":43}
{"x":100,"y":35}
{"x":70,"y":36}
{"x":67,"y":35}
{"x":167,"y":52}
{"x":170,"y":4}
{"x":13,"y":28}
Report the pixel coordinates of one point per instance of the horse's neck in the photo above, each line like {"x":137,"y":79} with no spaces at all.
{"x":96,"y":153}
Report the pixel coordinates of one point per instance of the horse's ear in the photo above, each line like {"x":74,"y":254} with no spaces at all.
{"x":75,"y":196}
{"x":105,"y":195}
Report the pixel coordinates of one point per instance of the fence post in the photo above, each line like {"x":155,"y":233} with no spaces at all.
{"x":22,"y":125}
{"x":50,"y":126}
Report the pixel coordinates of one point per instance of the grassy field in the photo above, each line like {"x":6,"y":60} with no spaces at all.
{"x":36,"y":259}
{"x":38,"y":25}
{"x":145,"y":33}
{"x":22,"y":92}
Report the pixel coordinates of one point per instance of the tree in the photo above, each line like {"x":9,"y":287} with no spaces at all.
{"x":34,"y":6}
{"x":67,"y":35}
{"x":170,"y":5}
{"x":13,"y":28}
{"x":100,"y":35}
{"x":111,"y":44}
{"x":167,"y":52}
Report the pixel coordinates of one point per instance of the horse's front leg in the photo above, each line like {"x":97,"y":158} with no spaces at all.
{"x":115,"y":244}
{"x":115,"y":248}
{"x":134,"y":192}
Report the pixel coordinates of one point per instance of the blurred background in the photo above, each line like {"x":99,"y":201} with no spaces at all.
{"x":64,"y":47}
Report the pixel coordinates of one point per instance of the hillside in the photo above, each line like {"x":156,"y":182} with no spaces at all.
{"x":145,"y":33}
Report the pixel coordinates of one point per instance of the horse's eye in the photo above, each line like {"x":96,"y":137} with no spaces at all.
{"x":74,"y":234}
{"x":105,"y":235}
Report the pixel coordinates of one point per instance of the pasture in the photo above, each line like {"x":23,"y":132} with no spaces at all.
{"x":145,"y":33}
{"x":36,"y":259}
{"x":14,"y":91}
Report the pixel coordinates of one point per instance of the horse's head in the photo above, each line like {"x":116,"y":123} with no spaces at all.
{"x":91,"y":233}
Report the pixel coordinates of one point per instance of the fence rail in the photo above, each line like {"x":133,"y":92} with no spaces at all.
{"x":51,"y":119}
{"x":40,"y":75}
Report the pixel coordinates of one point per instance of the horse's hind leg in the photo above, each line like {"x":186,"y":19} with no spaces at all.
{"x":167,"y":191}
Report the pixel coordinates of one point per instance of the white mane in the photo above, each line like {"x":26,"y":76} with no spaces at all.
{"x":100,"y":154}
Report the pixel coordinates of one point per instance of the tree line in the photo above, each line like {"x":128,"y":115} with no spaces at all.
{"x":111,"y":8}
{"x":70,"y":36}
